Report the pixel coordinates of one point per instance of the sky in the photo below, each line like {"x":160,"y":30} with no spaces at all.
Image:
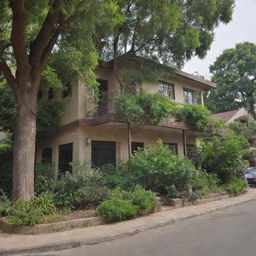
{"x":242,"y":28}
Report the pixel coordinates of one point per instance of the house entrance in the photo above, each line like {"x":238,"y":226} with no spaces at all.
{"x":103,"y":152}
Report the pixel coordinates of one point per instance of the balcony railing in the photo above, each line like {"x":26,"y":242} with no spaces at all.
{"x":102,"y":108}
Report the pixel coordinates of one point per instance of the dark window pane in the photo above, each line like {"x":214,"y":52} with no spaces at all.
{"x":50,"y":94}
{"x":192,"y":97}
{"x":167,"y":89}
{"x":67,"y":91}
{"x":40,"y":95}
{"x":173,"y":147}
{"x":191,"y":150}
{"x":47,"y":155}
{"x":103,"y":97}
{"x":65,"y":157}
{"x":103,"y":152}
{"x":136,"y":146}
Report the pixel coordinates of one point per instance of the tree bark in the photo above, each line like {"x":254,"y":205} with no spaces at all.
{"x":24,"y":146}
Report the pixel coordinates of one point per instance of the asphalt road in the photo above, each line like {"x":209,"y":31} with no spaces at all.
{"x":229,"y":232}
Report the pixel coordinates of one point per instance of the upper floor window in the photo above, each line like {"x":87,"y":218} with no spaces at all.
{"x":67,"y":91}
{"x":50,"y":94}
{"x":192,"y":97}
{"x":167,"y":89}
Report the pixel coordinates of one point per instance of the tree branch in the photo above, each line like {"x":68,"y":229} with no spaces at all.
{"x":48,"y":28}
{"x":17,"y":39}
{"x":7,"y":73}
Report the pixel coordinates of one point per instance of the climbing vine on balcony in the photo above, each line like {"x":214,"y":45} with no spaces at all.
{"x":144,"y":108}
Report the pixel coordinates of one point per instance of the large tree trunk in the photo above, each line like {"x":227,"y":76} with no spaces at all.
{"x":24,"y":146}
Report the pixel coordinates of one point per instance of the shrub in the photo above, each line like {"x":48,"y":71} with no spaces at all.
{"x":236,"y":186}
{"x":144,"y":108}
{"x":145,"y":200}
{"x":196,"y":115}
{"x":115,"y":175}
{"x":117,"y":209}
{"x":44,"y":178}
{"x":156,"y":168}
{"x":27,"y":213}
{"x":224,"y":156}
{"x":82,"y":187}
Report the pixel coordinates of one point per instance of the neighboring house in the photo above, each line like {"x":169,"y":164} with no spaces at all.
{"x":93,"y":133}
{"x":239,"y":115}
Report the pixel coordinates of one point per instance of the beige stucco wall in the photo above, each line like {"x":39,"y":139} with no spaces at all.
{"x":179,"y":85}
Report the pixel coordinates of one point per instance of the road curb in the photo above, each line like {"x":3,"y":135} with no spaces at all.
{"x":127,"y":233}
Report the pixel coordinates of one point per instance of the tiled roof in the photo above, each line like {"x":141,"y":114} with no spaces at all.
{"x":225,"y":115}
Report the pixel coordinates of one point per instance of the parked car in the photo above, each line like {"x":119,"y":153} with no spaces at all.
{"x":250,"y":175}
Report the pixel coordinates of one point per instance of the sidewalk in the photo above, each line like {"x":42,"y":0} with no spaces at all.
{"x":14,"y":244}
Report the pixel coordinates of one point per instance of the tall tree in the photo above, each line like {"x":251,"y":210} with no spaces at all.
{"x":29,"y":32}
{"x":234,"y":71}
{"x":165,"y":31}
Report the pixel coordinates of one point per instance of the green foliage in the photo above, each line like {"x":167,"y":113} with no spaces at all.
{"x":115,"y":175}
{"x":197,"y":116}
{"x":234,"y":71}
{"x":235,"y":186}
{"x":123,"y":205}
{"x":224,"y":156}
{"x":144,"y":199}
{"x":138,"y":110}
{"x":6,"y":164}
{"x":82,"y":187}
{"x":156,"y":168}
{"x":8,"y":112}
{"x":48,"y":115}
{"x":45,"y":178}
{"x":27,"y":213}
{"x":117,"y":209}
{"x":173,"y":30}
{"x":128,"y":109}
{"x":248,"y":130}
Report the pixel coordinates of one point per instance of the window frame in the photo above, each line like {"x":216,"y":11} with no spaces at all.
{"x":170,"y":89}
{"x":172,"y":146}
{"x":193,"y":93}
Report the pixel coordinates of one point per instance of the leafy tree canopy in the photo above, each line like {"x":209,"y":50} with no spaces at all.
{"x":168,"y":30}
{"x":48,"y":116}
{"x":234,"y":71}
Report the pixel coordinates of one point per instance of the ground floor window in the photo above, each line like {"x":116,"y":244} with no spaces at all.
{"x":173,"y":147}
{"x":103,"y":152}
{"x":191,"y":150}
{"x":65,"y":157}
{"x":47,"y":155}
{"x":136,"y":146}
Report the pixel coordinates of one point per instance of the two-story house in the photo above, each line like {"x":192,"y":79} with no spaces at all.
{"x":93,"y":133}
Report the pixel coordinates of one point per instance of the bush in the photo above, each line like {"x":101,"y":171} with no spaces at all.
{"x":196,"y":115}
{"x":123,"y":204}
{"x":224,"y":156}
{"x":44,"y":178}
{"x":27,"y":213}
{"x":144,"y":108}
{"x":236,"y":186}
{"x":79,"y":189}
{"x":115,"y":175}
{"x":145,"y":200}
{"x":117,"y":209}
{"x":156,"y":168}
